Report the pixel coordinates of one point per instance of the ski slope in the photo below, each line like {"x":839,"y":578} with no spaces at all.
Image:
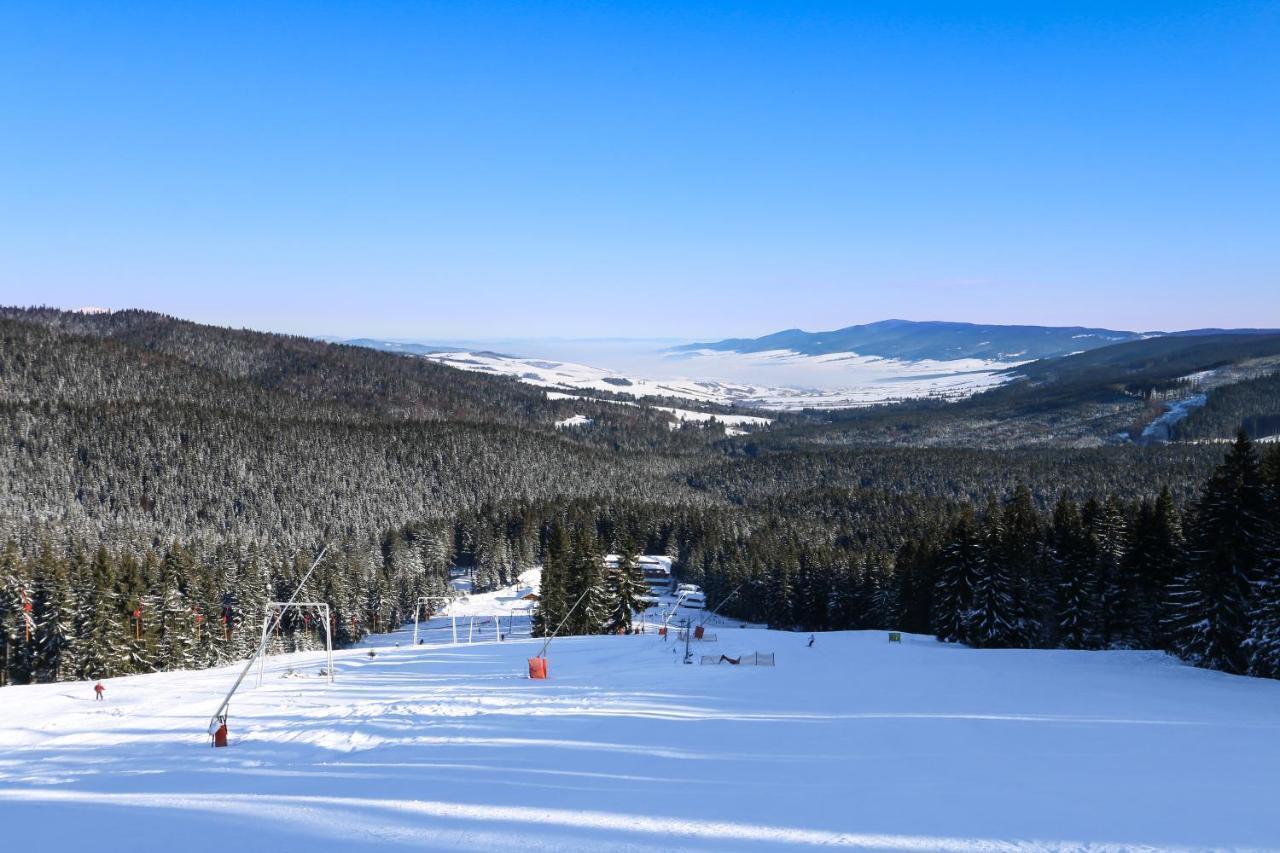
{"x":852,"y":744}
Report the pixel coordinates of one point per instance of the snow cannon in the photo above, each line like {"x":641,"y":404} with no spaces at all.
{"x":537,"y":667}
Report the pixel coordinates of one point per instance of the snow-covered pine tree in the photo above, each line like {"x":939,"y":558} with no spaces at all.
{"x":437,"y":554}
{"x":886,"y":603}
{"x":780,"y":603}
{"x":408,"y":575}
{"x":1262,"y":646}
{"x":1023,"y":554}
{"x":492,"y":559}
{"x":1211,"y":603}
{"x":845,"y":599}
{"x":1153,"y":558}
{"x":245,"y":610}
{"x":54,"y":608}
{"x":176,"y":634}
{"x":102,"y":631}
{"x":379,"y":604}
{"x":1108,"y":526}
{"x":553,"y":591}
{"x":957,"y":575}
{"x":916,"y":568}
{"x":205,"y":596}
{"x":996,"y":619}
{"x":586,"y":582}
{"x":627,"y":590}
{"x":1071,"y":549}
{"x":15,"y":625}
{"x":131,"y":596}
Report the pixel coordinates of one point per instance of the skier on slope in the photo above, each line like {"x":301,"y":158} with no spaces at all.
{"x":98,"y":690}
{"x":811,"y":641}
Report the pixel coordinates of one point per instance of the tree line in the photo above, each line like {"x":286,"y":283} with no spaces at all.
{"x":180,"y":471}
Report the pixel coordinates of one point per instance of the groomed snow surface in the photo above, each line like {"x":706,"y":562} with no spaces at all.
{"x":854,"y":743}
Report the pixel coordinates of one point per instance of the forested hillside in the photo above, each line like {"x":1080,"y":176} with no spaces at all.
{"x":1090,"y":399}
{"x":1252,"y":405}
{"x":162,"y":479}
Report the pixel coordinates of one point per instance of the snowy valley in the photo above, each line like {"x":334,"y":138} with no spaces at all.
{"x":836,"y":381}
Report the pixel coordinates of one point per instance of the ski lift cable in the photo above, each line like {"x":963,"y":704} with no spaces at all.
{"x":721,"y":604}
{"x":220,"y":716}
{"x":543,"y":653}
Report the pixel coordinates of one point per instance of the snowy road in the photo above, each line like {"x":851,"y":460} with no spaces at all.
{"x":853,"y":744}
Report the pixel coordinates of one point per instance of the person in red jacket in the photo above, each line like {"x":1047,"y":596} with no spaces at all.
{"x":98,"y":689}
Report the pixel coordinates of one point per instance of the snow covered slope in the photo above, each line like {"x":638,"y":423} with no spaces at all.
{"x":839,"y":380}
{"x":570,"y":376}
{"x":852,"y":744}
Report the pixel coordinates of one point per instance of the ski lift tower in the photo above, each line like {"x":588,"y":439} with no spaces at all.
{"x":282,"y":607}
{"x":672,"y":612}
{"x":417,"y":610}
{"x":218,"y":723}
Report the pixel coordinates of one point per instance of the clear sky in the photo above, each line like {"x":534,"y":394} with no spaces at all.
{"x":677,"y":169}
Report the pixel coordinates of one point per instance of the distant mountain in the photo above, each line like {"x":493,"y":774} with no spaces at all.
{"x":916,"y":341}
{"x":393,"y":346}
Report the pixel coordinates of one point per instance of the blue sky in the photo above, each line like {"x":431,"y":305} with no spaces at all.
{"x":466,"y":169}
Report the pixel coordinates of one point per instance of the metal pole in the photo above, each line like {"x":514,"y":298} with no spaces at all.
{"x":453,"y":619}
{"x":262,"y":643}
{"x":721,"y":604}
{"x":688,"y":656}
{"x":543,"y":653}
{"x":674,"y":608}
{"x":328,"y":640}
{"x":219,"y":716}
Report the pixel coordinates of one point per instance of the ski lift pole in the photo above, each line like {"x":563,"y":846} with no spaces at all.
{"x":721,"y":604}
{"x":219,"y":717}
{"x":543,"y":653}
{"x":672,"y":612}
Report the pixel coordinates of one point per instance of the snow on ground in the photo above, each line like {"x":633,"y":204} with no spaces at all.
{"x":1159,"y":429}
{"x":838,"y":380}
{"x":568,"y":375}
{"x":855,"y":743}
{"x":507,"y":601}
{"x":733,"y":423}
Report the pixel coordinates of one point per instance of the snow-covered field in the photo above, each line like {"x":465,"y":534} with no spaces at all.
{"x":840,"y":380}
{"x":571,"y":376}
{"x":854,"y":744}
